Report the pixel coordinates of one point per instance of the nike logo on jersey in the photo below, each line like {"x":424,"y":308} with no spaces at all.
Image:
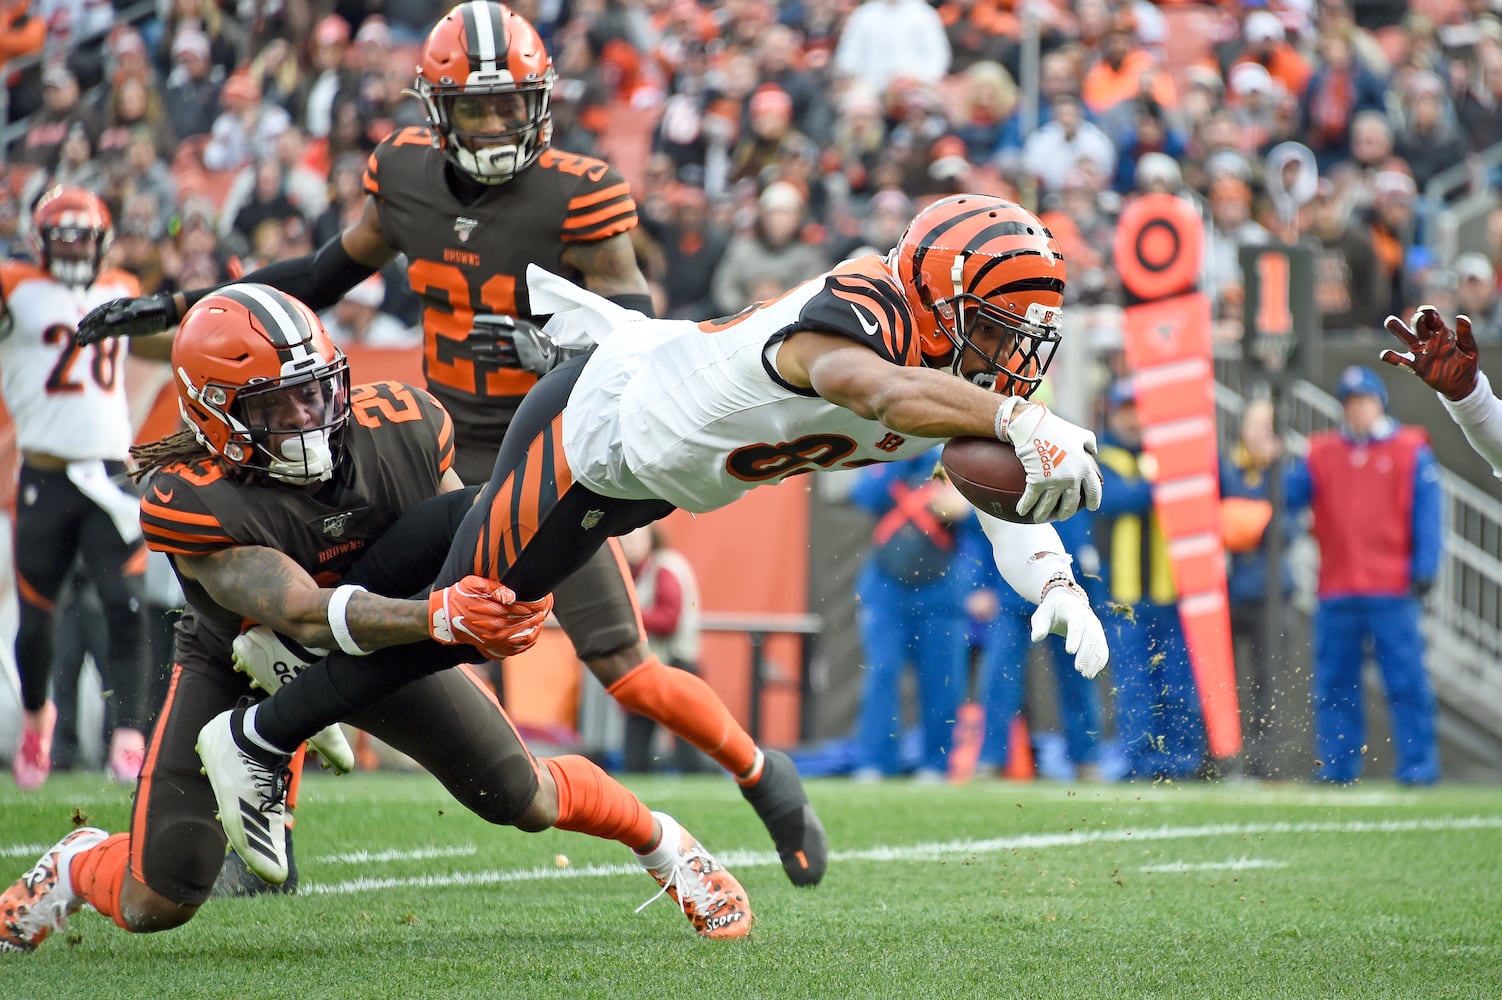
{"x":871,"y":327}
{"x":163,"y":497}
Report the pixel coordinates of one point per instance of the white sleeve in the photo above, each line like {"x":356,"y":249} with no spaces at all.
{"x":1479,"y":415}
{"x":1028,"y":555}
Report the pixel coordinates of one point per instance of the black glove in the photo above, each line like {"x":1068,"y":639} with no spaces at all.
{"x":512,"y":343}
{"x":128,"y":318}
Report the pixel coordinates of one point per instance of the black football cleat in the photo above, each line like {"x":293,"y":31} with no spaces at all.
{"x":783,"y":806}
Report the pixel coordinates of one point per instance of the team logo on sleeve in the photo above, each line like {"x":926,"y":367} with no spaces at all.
{"x":464,"y":228}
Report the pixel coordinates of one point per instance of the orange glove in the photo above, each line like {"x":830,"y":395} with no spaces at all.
{"x":484,"y":614}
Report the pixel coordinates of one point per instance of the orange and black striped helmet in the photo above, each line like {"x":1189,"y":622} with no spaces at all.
{"x":485,"y":51}
{"x":974,"y":261}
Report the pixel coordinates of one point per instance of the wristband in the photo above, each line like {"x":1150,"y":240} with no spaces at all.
{"x":1063,"y":580}
{"x":338,"y":604}
{"x":1003,"y":418}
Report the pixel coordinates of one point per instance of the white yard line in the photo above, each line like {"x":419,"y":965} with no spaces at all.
{"x":1229,"y":865}
{"x":935,"y":851}
{"x":415,"y":854}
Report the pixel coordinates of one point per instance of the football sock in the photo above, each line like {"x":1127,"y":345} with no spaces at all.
{"x":253,"y":733}
{"x":99,"y":873}
{"x":294,"y":783}
{"x":752,"y":774}
{"x":592,"y":802}
{"x":686,"y":706}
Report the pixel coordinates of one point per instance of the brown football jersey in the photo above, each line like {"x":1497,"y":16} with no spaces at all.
{"x":398,"y":441}
{"x":472,"y":258}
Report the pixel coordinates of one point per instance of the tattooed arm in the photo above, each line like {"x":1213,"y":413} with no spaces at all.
{"x":267,"y":587}
{"x":608,"y":266}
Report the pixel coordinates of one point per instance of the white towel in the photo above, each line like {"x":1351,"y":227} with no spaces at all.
{"x":123,"y":508}
{"x":581,"y":318}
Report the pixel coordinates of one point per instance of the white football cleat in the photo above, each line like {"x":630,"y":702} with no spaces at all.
{"x":709,"y":896}
{"x":250,"y":786}
{"x":260,"y":654}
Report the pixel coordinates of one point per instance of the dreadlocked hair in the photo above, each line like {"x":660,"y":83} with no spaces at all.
{"x":182,"y":446}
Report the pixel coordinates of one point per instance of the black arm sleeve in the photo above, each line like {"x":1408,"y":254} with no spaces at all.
{"x":319,"y":279}
{"x":635,"y":300}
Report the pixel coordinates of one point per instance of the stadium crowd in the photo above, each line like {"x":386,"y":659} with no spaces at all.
{"x":765,"y":141}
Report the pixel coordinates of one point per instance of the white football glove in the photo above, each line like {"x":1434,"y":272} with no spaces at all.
{"x":1065,"y":610}
{"x":1059,"y":458}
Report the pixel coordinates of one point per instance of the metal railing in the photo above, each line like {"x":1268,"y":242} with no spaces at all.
{"x":1463,"y":618}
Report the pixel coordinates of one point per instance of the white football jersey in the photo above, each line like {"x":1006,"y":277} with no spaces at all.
{"x":66,"y":401}
{"x":697,"y":414}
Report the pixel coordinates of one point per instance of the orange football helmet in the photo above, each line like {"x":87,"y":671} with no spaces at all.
{"x":261,"y":383}
{"x":972,"y":262}
{"x":479,"y":50}
{"x":70,"y":233}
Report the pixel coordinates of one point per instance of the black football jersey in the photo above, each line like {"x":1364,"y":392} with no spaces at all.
{"x":398,"y":443}
{"x":472,"y":258}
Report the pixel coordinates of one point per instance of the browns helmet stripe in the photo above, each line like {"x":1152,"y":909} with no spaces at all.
{"x":288,"y":328}
{"x":484,"y":34}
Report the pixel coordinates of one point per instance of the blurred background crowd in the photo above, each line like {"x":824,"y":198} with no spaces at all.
{"x":765,"y":141}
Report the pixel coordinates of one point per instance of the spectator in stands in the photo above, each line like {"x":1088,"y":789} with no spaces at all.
{"x":1345,"y":269}
{"x":1085,"y":233}
{"x":333,"y":81}
{"x":129,"y":60}
{"x":281,"y":76}
{"x":268,"y":200}
{"x":1063,"y":142}
{"x":1373,"y":488}
{"x":911,"y":593}
{"x":246,"y":127}
{"x":1391,"y":233}
{"x":770,"y":258}
{"x":61,"y":109}
{"x":223,"y":34}
{"x":692,"y":247}
{"x":357,"y":320}
{"x":73,"y":164}
{"x":1245,"y":514}
{"x":192,"y":93}
{"x":134,"y":104}
{"x":1158,"y":718}
{"x":769,"y":124}
{"x":777,"y":54}
{"x":1476,"y":296}
{"x":1124,"y":72}
{"x":1480,"y":110}
{"x":1255,"y":97}
{"x":1339,"y":90}
{"x":886,"y":215}
{"x":346,"y":197}
{"x":988,"y":105}
{"x":1429,"y":141}
{"x":1230,"y":228}
{"x":1148,"y":132}
{"x":887,"y":40}
{"x":1267,"y":45}
{"x":144,"y":171}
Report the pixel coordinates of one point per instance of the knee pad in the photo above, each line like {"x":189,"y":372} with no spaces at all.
{"x":182,"y":858}
{"x":500,"y":792}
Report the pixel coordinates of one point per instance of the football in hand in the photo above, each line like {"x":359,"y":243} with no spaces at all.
{"x":988,"y":473}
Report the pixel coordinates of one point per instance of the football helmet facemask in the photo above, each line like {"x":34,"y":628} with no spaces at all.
{"x":985,"y":281}
{"x":261,"y":383}
{"x":486,"y":83}
{"x":71,"y":231}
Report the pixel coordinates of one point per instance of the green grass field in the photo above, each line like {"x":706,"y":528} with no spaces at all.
{"x":991,"y":890}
